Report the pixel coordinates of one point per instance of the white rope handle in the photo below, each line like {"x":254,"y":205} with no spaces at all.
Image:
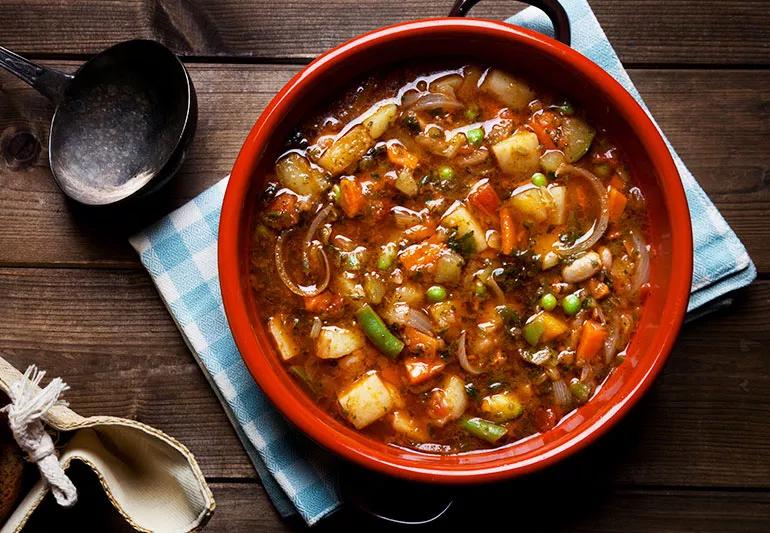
{"x":28,"y":406}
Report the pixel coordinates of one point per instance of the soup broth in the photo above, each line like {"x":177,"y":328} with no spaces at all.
{"x":450,"y":259}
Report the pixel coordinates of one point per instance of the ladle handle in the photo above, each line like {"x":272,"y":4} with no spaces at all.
{"x":48,"y":82}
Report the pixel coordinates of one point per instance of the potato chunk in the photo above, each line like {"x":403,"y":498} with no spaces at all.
{"x":458,"y":216}
{"x":380,"y":120}
{"x":346,"y":150}
{"x":335,"y":342}
{"x":519,"y":154}
{"x":501,"y":407}
{"x":284,"y":340}
{"x":511,"y":91}
{"x":366,"y":400}
{"x":454,"y":397}
{"x":296,"y":173}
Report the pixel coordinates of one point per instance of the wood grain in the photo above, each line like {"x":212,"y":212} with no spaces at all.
{"x":642,"y":31}
{"x":715,"y":121}
{"x":97,"y":327}
{"x":244,"y":507}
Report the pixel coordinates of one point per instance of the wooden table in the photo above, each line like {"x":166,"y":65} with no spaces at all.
{"x":693,"y":455}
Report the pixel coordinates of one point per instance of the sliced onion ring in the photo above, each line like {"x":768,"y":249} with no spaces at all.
{"x":431,"y":101}
{"x":317,"y":221}
{"x":300,"y":290}
{"x":587,"y":241}
{"x":642,"y":270}
{"x":419,"y":321}
{"x":462,"y":357}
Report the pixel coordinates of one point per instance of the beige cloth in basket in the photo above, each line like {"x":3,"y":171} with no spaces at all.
{"x":152,"y":480}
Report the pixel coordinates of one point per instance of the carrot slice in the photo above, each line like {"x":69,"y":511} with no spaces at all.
{"x":508,"y":232}
{"x":326,"y":302}
{"x":617,"y":183}
{"x":401,"y":157}
{"x":542,"y":134}
{"x":420,"y":256}
{"x":616,"y":204}
{"x":591,"y":340}
{"x":420,"y":232}
{"x":352,"y":197}
{"x":485,"y":199}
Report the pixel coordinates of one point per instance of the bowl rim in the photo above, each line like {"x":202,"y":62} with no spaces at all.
{"x":233,"y":289}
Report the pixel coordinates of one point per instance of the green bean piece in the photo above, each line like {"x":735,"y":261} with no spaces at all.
{"x":475,"y":136}
{"x":483,"y":429}
{"x":377,"y":332}
{"x":387,"y":256}
{"x":436,"y":293}
{"x":336,"y":193}
{"x":571,"y":304}
{"x":548,"y":302}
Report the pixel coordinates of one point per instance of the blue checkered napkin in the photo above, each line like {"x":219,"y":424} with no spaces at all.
{"x":721,"y":261}
{"x":179,"y":251}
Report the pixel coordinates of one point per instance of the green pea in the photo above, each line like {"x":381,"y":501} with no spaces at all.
{"x":436,"y":293}
{"x":566,"y":108}
{"x":475,"y":136}
{"x":472,"y":112}
{"x":539,"y":179}
{"x":571,"y":304}
{"x":446,"y":173}
{"x":336,"y":193}
{"x":548,"y":302}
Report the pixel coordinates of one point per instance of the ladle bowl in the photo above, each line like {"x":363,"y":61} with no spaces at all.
{"x":123,"y":120}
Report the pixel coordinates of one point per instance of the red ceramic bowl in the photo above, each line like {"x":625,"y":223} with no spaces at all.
{"x":539,"y":58}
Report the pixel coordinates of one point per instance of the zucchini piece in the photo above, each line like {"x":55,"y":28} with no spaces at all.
{"x":577,"y":137}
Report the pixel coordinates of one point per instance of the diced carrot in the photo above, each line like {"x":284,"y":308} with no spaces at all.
{"x":591,"y":340}
{"x":420,"y":256}
{"x":326,"y":302}
{"x":283,"y":211}
{"x":417,"y":341}
{"x":401,"y":157}
{"x":542,"y":134}
{"x":616,"y":204}
{"x":508,"y":232}
{"x":352,"y":197}
{"x":420,"y":232}
{"x":420,"y":369}
{"x":485,"y":199}
{"x":598,"y":289}
{"x":617,"y":183}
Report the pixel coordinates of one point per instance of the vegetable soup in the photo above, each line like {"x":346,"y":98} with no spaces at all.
{"x":450,"y":259}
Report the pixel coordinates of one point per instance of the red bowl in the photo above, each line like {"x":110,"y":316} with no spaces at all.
{"x":539,"y":58}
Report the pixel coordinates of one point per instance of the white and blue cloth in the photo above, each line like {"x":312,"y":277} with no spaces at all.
{"x":180,"y":253}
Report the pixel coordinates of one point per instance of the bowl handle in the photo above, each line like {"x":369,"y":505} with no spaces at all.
{"x":552,"y":8}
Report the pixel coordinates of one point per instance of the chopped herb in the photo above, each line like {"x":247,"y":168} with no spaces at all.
{"x":411,"y":123}
{"x":465,"y":245}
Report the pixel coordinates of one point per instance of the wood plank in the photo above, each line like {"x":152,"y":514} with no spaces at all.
{"x":244,"y":507}
{"x":714,"y":120}
{"x":643,"y":31}
{"x":109,"y":336}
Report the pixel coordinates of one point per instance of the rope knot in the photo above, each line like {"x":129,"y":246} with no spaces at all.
{"x":29,"y":405}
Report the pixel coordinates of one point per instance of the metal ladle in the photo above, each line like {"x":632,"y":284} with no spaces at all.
{"x":122,"y":122}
